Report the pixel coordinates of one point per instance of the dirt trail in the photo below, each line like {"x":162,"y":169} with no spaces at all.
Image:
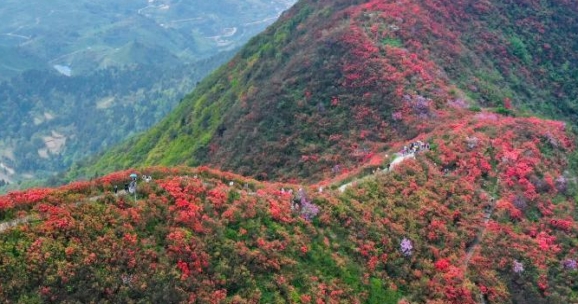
{"x":472,"y":248}
{"x":9,"y":224}
{"x":393,"y":164}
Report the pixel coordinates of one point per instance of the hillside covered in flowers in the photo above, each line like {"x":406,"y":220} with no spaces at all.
{"x":487,"y":214}
{"x":383,"y":152}
{"x":332,"y":82}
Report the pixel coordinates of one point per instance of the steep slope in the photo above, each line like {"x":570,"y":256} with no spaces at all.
{"x":334,"y":81}
{"x":487,"y":215}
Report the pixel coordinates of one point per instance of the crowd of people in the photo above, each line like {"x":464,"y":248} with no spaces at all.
{"x":414,"y":147}
{"x":131,"y":187}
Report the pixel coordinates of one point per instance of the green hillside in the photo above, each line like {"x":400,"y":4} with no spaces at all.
{"x":332,"y":82}
{"x":50,"y":121}
{"x":14,"y":61}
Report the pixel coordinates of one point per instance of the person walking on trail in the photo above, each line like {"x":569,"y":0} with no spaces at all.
{"x":115,"y":189}
{"x":132,"y":187}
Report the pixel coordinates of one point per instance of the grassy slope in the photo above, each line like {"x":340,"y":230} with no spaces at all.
{"x":14,"y":61}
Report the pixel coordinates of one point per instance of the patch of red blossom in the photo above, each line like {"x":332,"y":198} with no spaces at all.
{"x":442,"y":264}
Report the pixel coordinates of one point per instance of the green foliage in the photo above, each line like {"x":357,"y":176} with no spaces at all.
{"x":140,"y":99}
{"x":393,"y":42}
{"x":379,"y":294}
{"x":502,"y":111}
{"x":573,"y":161}
{"x":519,"y":50}
{"x":475,"y":109}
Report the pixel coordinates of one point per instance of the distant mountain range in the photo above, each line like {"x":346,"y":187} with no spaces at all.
{"x":88,"y":35}
{"x":77,"y":77}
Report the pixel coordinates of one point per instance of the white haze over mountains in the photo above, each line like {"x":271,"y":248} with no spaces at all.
{"x":87,"y":34}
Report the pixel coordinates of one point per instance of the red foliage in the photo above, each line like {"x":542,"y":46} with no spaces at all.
{"x":184,"y":268}
{"x":564,"y":225}
{"x":278,"y":210}
{"x":507,"y":103}
{"x":24,"y":199}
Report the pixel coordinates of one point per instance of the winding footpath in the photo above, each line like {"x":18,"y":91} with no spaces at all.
{"x":393,"y":164}
{"x":474,"y":246}
{"x":4,"y":226}
{"x":472,"y":249}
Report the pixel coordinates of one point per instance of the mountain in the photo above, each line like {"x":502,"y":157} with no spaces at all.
{"x":334,"y":81}
{"x":51,"y":120}
{"x":87,"y":35}
{"x":487,"y":214}
{"x":78,"y":77}
{"x":395,"y":158}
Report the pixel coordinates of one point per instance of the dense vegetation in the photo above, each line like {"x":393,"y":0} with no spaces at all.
{"x":487,"y":214}
{"x":286,"y":107}
{"x":323,"y":101}
{"x":89,"y":112}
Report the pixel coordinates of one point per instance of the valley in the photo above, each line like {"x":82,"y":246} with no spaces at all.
{"x":185,"y":30}
{"x":60,"y":58}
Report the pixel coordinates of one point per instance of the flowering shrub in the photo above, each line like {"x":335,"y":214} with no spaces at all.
{"x":197,"y":235}
{"x":561,"y":184}
{"x":308,"y":210}
{"x":517,"y":267}
{"x":482,"y":199}
{"x":406,"y":247}
{"x":442,"y":264}
{"x":570,"y":264}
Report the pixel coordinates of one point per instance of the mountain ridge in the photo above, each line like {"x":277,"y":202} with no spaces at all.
{"x":486,"y":214}
{"x":383,"y":157}
{"x":379,"y":59}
